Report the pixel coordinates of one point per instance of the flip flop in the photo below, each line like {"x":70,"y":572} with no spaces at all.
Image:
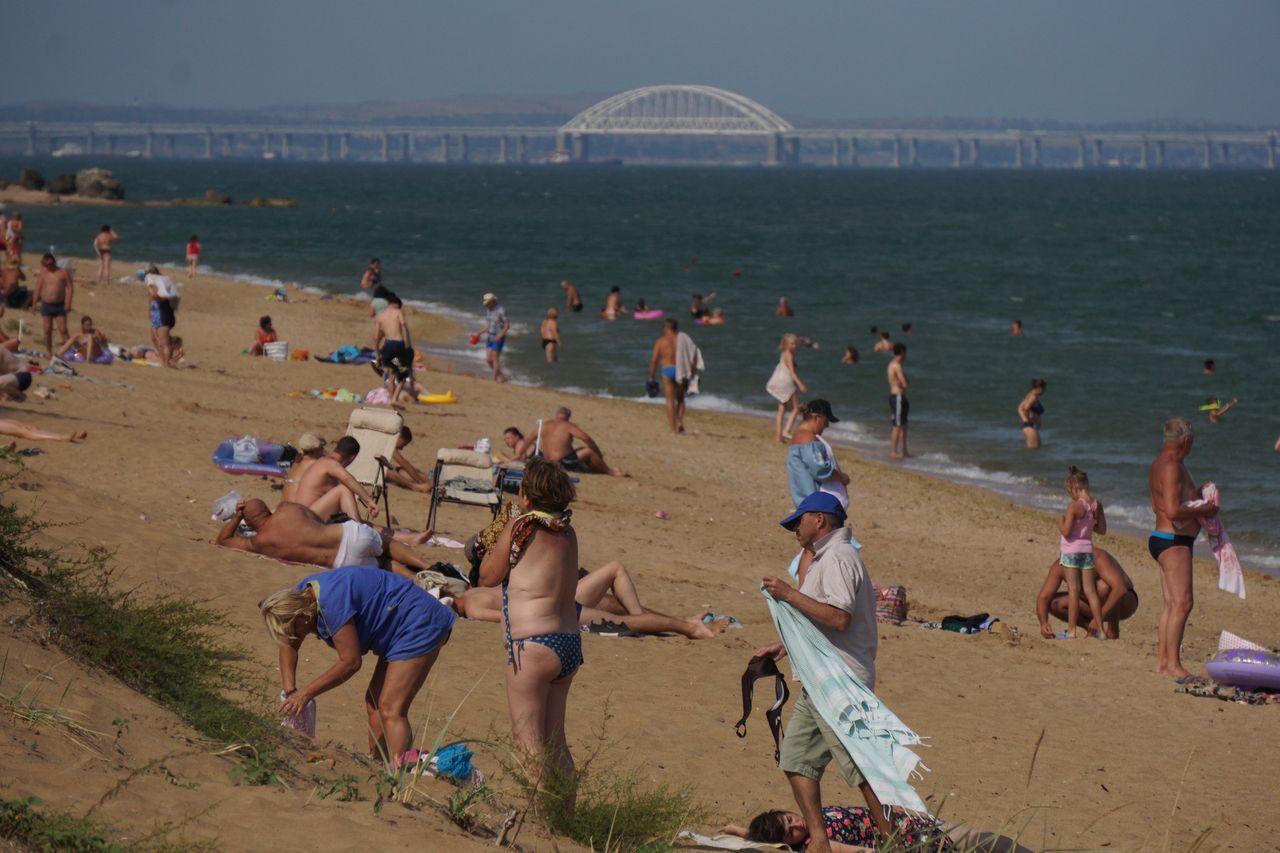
{"x":1191,"y":679}
{"x":605,"y":628}
{"x":709,"y":616}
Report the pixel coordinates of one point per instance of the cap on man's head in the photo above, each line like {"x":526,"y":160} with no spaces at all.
{"x":821,"y":407}
{"x":816,"y":502}
{"x":489,"y":297}
{"x":310,"y":441}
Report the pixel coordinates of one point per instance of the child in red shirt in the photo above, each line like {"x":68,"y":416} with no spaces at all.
{"x":266,"y":334}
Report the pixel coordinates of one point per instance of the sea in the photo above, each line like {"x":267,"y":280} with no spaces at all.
{"x":1125,"y":282}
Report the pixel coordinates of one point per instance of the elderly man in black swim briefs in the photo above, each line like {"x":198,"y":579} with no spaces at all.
{"x":1115,"y":590}
{"x":557,"y":446}
{"x":1173,"y":538}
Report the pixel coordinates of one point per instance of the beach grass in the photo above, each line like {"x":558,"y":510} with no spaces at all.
{"x":170,"y":648}
{"x":24,"y":823}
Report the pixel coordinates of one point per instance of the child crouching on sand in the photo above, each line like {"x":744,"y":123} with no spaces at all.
{"x":266,"y":334}
{"x":1082,"y":518}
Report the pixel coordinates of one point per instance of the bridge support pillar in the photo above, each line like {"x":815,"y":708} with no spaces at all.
{"x":266,"y":144}
{"x":1159,"y":153}
{"x":1097,"y":153}
{"x":168,"y":147}
{"x":1080,"y":146}
{"x":913,"y":152}
{"x":835,"y":151}
{"x":1035,"y":152}
{"x":975,"y":151}
{"x":385,"y":139}
{"x":444,"y":148}
{"x":31,"y":139}
{"x":149,"y":149}
{"x":1142,"y":153}
{"x":111,"y":143}
{"x":581,"y":148}
{"x":326,"y":147}
{"x":1271,"y":151}
{"x":410,"y":147}
{"x":957,"y":155}
{"x":91,"y":139}
{"x":896,"y":162}
{"x":208,"y":143}
{"x":1206,"y":161}
{"x":775,"y":149}
{"x":522,"y":149}
{"x":792,"y":150}
{"x":853,"y":151}
{"x":562,"y":142}
{"x":503,"y":156}
{"x":286,"y":145}
{"x":1017,"y":152}
{"x":1224,"y":152}
{"x":344,"y":146}
{"x":464,"y":148}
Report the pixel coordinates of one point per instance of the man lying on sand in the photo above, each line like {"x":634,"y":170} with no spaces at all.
{"x":326,"y":487}
{"x":297,"y":534}
{"x":557,"y":446}
{"x":1115,"y":590}
{"x":606,"y":595}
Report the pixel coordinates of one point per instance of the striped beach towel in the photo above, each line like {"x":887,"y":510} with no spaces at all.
{"x":875,"y":738}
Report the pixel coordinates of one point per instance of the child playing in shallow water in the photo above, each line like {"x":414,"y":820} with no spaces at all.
{"x":1082,"y":518}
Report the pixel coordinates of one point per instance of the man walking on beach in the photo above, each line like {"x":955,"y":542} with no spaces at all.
{"x":496,"y":326}
{"x":1173,"y":538}
{"x":898,"y":406}
{"x":835,"y":595}
{"x":54,"y":292}
{"x":676,"y":356}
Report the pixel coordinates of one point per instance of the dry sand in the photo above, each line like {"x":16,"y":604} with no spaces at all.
{"x":1124,"y":763}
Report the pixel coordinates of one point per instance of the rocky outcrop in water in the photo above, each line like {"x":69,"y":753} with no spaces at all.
{"x":98,"y":183}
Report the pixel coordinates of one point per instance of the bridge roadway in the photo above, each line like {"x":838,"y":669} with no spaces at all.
{"x":849,"y":146}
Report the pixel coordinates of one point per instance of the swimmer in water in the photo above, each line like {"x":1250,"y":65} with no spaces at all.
{"x":1216,"y":408}
{"x":850,"y":355}
{"x":1015,"y":330}
{"x":716,"y":318}
{"x":1030,"y":411}
{"x":784,"y":308}
{"x":884,"y":344}
{"x":1210,"y":368}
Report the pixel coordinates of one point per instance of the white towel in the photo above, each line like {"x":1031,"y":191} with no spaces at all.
{"x":1230,"y":572}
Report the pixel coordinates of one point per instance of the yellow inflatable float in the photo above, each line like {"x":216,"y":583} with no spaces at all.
{"x":438,"y":399}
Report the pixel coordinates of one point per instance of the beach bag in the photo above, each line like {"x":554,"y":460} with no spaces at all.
{"x":966,"y":624}
{"x":891,"y":604}
{"x":245,"y":450}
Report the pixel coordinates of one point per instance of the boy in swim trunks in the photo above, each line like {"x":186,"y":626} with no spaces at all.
{"x":535,"y":560}
{"x":54,"y":292}
{"x":898,"y":405}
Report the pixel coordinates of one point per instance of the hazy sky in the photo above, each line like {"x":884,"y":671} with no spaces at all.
{"x":1073,"y":60}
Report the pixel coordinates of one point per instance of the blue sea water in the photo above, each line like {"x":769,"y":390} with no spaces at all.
{"x":1125,"y":282}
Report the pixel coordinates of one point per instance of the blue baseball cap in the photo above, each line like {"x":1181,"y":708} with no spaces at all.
{"x":816,"y":502}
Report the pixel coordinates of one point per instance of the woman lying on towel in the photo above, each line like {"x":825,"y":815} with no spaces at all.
{"x":850,"y":829}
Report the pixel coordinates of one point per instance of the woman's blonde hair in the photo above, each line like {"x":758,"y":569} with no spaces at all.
{"x":280,"y":609}
{"x":553,"y":313}
{"x":788,"y":340}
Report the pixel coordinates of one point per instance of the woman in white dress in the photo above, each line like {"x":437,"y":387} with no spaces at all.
{"x":784,"y":383}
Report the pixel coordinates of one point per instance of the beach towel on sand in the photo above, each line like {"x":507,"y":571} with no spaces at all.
{"x":873,"y":735}
{"x":349,"y":355}
{"x":1230,"y":573}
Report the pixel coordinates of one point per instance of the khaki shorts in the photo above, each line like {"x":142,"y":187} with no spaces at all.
{"x":809,"y":744}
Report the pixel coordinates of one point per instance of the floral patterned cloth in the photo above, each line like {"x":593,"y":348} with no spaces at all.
{"x":853,"y":825}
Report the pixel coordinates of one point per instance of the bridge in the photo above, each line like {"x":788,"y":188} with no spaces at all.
{"x":726,"y":121}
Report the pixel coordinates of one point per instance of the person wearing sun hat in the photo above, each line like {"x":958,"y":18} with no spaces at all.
{"x":837,"y":598}
{"x":811,"y":462}
{"x":496,"y":326}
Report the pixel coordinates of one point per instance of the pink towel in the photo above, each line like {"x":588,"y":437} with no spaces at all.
{"x":1230,"y":574}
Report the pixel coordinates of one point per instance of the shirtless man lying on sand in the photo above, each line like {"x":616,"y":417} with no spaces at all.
{"x":326,"y":488}
{"x":557,"y":446}
{"x":1115,"y":590}
{"x":296,"y":534}
{"x":607,"y":594}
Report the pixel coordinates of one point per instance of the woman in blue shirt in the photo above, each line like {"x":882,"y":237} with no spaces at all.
{"x":357,"y":610}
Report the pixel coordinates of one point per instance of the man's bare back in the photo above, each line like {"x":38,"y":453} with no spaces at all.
{"x":557,"y":439}
{"x":295,"y":533}
{"x":390,"y":324}
{"x":664,"y":350}
{"x":897,"y":377}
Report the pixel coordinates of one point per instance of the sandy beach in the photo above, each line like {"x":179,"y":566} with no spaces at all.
{"x":1124,"y":763}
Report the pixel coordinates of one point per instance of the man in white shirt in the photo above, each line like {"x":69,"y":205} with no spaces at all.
{"x":835,"y":594}
{"x":164,"y":309}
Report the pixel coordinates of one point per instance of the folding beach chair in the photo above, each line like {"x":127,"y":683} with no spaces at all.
{"x":464,"y":477}
{"x":377,"y":431}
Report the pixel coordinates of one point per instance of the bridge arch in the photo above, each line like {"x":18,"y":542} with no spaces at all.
{"x":680,"y":109}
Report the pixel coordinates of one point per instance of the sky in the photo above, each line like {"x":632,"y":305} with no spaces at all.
{"x":1072,"y":60}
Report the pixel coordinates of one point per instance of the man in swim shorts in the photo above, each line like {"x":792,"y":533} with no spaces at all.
{"x":572,"y":299}
{"x":898,"y":405}
{"x":392,"y":343}
{"x":1115,"y":589}
{"x":296,"y":534}
{"x":557,"y":446}
{"x":326,"y":487}
{"x":1170,"y":544}
{"x":663,"y":360}
{"x":496,"y":326}
{"x":54,"y":292}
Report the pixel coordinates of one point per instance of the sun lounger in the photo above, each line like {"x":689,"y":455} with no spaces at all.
{"x":464,"y":477}
{"x":377,"y":431}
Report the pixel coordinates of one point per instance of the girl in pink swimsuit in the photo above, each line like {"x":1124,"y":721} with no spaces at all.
{"x":1082,"y":518}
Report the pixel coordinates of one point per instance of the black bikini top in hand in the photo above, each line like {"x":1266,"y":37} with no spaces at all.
{"x":763,"y":666}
